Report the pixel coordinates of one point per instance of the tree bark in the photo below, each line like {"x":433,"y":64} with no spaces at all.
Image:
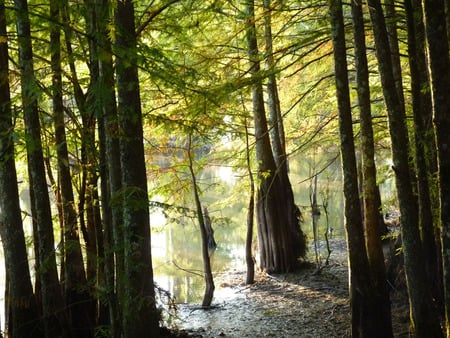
{"x":424,"y":321}
{"x":440,"y":83}
{"x":79,"y":300}
{"x":22,"y":311}
{"x":55,"y":318}
{"x":77,"y":297}
{"x":392,"y":19}
{"x":110,"y":171}
{"x":281,"y":241}
{"x":362,"y":310}
{"x":249,"y":259}
{"x":209,"y":280}
{"x":276,"y":119}
{"x":372,"y":205}
{"x":423,"y":140}
{"x":140,"y":316}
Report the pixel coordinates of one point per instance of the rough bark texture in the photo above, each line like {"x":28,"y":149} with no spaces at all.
{"x":22,"y":307}
{"x":362,"y":310}
{"x":372,"y":207}
{"x":423,"y":128}
{"x":55,"y":319}
{"x":281,"y":241}
{"x":140,"y":316}
{"x":275,"y":117}
{"x":424,"y":321}
{"x":440,"y":82}
{"x":391,"y":27}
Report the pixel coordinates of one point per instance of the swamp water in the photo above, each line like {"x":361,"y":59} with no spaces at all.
{"x":177,"y":260}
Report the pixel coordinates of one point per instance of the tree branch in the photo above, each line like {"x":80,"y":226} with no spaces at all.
{"x":152,"y":15}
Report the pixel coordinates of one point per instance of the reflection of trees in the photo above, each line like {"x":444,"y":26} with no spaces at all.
{"x":179,"y":267}
{"x":180,"y":243}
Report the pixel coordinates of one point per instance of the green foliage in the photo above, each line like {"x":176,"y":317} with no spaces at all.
{"x":103,"y":331}
{"x":133,"y":198}
{"x":194,"y":80}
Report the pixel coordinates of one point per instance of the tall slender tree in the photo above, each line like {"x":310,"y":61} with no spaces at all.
{"x":392,"y":20}
{"x":76,"y":292}
{"x":423,"y":142}
{"x":110,"y":169}
{"x":201,"y":216}
{"x":424,"y":321}
{"x":55,"y":317}
{"x":22,"y":302}
{"x":365,"y":316}
{"x":249,"y":259}
{"x":275,"y":117}
{"x":439,"y":62}
{"x":372,"y":207}
{"x":140,"y":316}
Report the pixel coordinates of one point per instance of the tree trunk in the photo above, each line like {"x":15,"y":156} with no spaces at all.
{"x":249,"y":259}
{"x":79,"y":299}
{"x":209,"y":281}
{"x":96,"y":252}
{"x":55,"y":319}
{"x":422,"y":110}
{"x":140,"y":316}
{"x":89,"y":152}
{"x":276,"y":119}
{"x":440,"y":84}
{"x":76,"y":293}
{"x":362,"y":305}
{"x":22,"y":308}
{"x":391,"y":27}
{"x":281,"y":241}
{"x":424,"y":322}
{"x":110,"y":172}
{"x":372,"y":205}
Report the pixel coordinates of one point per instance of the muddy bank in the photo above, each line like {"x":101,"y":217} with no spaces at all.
{"x":308,"y":303}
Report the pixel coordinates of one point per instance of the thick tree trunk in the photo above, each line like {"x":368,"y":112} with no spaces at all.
{"x":281,"y":241}
{"x":362,"y":304}
{"x":440,"y":83}
{"x":23,"y":317}
{"x":372,"y":205}
{"x":140,"y":316}
{"x":55,"y":318}
{"x":422,"y":110}
{"x":424,"y":321}
{"x":429,"y":143}
{"x":276,"y":119}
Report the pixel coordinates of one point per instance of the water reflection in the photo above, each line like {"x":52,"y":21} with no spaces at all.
{"x":177,"y":260}
{"x":176,"y":246}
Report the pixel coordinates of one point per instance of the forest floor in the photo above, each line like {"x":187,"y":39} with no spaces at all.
{"x":308,"y":303}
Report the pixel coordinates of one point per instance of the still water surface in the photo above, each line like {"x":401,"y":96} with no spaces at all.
{"x":176,"y":247}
